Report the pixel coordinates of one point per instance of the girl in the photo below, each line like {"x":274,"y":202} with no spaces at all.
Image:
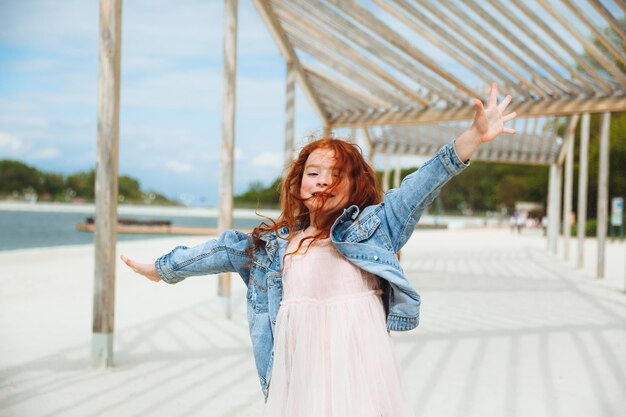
{"x":324,"y":283}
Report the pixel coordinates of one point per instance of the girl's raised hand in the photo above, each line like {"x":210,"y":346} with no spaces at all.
{"x":489,"y":122}
{"x":147,"y":270}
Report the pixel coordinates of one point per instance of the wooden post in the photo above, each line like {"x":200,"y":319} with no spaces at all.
{"x":554,"y":206}
{"x":386,"y":169}
{"x":228,"y":138}
{"x":106,"y":190}
{"x":396,"y":174}
{"x":290,"y":97}
{"x":569,"y":184}
{"x":581,"y":215}
{"x":603,"y":191}
{"x":371,"y":149}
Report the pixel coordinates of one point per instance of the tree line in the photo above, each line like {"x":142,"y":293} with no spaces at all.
{"x":21,"y":181}
{"x":497,"y":186}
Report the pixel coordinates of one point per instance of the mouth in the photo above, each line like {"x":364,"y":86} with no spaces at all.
{"x":322,"y":195}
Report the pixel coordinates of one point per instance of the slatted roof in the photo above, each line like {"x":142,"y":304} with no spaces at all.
{"x":536,"y":141}
{"x":400,"y":63}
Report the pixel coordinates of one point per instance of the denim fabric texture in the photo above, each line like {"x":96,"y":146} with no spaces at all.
{"x":369,"y":238}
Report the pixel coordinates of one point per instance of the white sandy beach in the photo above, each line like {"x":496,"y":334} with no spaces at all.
{"x":506,"y":330}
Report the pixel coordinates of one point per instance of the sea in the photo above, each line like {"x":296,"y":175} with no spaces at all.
{"x":44,"y":225}
{"x":38,"y":225}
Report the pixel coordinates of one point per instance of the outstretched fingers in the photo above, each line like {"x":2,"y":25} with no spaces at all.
{"x":509,"y":117}
{"x":508,"y":131}
{"x":504,"y":103}
{"x":493,"y":95}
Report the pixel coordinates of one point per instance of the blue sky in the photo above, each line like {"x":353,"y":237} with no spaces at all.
{"x":170,"y":98}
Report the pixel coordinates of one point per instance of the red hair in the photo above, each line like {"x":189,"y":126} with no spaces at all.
{"x":364,"y":191}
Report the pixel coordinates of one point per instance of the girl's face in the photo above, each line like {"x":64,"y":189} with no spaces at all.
{"x":320,"y":173}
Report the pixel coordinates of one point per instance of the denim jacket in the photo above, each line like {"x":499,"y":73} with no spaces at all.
{"x":369,"y":238}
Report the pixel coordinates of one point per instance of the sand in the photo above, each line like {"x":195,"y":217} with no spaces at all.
{"x":506,"y":330}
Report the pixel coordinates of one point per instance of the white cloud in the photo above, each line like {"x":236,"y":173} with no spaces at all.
{"x":268,"y":160}
{"x":9,"y":142}
{"x":179,"y":89}
{"x":178,"y":167}
{"x":45,"y":153}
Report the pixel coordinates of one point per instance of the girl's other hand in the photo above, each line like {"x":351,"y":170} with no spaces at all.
{"x":489,"y":122}
{"x":147,"y":270}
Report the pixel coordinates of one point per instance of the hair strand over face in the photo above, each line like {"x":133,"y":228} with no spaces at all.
{"x":364,"y":191}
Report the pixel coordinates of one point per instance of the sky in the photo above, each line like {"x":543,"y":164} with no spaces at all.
{"x":171,"y":93}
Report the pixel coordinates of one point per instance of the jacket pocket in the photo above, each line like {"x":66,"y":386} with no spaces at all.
{"x":362,"y":229}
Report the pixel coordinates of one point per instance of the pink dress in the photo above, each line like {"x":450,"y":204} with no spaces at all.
{"x":333,"y":356}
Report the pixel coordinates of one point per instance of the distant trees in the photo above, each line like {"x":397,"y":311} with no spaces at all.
{"x":260,"y":196}
{"x":20,"y":181}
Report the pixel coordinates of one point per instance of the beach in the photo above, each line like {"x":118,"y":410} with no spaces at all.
{"x":533,"y":335}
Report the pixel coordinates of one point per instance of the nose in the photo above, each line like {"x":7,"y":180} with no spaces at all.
{"x":323,"y":180}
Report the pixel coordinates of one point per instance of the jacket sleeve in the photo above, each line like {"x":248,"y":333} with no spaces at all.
{"x":404,"y":206}
{"x":227,"y":253}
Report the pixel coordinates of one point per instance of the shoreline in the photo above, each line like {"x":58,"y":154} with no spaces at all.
{"x":88,"y":208}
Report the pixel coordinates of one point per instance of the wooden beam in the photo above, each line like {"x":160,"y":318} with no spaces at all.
{"x":575,"y":31}
{"x":569,"y":185}
{"x":348,"y":70}
{"x":521,"y":5}
{"x":322,"y":40}
{"x":549,"y":51}
{"x":599,"y":35}
{"x":481,"y":45}
{"x":558,"y":84}
{"x":615,"y":24}
{"x":265,"y":10}
{"x":603,"y":192}
{"x":106,"y":187}
{"x":569,"y":135}
{"x":559,"y":107}
{"x":290,"y":99}
{"x":581,"y":215}
{"x":227,"y":160}
{"x":370,"y":146}
{"x":369,"y":20}
{"x":343,"y":27}
{"x":371,"y":100}
{"x":452,"y":47}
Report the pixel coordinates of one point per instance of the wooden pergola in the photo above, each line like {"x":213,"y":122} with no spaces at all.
{"x":404,"y":74}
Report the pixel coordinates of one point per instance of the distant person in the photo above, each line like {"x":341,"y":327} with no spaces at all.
{"x":324,"y":282}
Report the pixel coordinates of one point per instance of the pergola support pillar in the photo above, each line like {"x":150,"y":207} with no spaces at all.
{"x":603,"y":191}
{"x":581,"y":215}
{"x":106,"y":189}
{"x":397,"y":173}
{"x":290,"y":98}
{"x":569,"y":184}
{"x":554,"y":205}
{"x":386,"y":171}
{"x":228,"y":139}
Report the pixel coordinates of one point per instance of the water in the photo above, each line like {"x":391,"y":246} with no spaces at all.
{"x":32,"y":229}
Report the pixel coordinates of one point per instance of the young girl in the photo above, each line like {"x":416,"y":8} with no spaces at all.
{"x":324,"y":283}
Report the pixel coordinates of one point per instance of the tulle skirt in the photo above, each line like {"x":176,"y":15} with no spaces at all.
{"x":334,"y":358}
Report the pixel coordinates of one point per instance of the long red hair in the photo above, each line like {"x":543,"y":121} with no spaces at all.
{"x":364,"y":191}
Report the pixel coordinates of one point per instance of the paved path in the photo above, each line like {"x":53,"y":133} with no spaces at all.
{"x":506,"y":330}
